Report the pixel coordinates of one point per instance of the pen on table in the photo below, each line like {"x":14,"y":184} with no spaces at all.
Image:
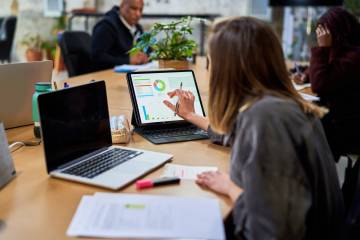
{"x":148,"y":183}
{"x":297,"y":69}
{"x":177,"y":103}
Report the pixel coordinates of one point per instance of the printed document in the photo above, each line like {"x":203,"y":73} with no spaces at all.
{"x":111,"y":215}
{"x":185,"y":172}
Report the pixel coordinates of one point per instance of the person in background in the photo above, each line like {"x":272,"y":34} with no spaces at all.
{"x":115,"y":34}
{"x":283,"y":182}
{"x":334,"y":74}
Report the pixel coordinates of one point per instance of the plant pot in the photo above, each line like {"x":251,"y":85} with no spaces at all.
{"x":33,"y":55}
{"x":177,"y":64}
{"x":49,"y":55}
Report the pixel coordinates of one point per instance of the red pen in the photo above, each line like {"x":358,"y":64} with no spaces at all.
{"x":148,"y":183}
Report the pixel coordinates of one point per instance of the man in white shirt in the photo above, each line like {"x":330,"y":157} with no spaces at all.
{"x":115,"y":34}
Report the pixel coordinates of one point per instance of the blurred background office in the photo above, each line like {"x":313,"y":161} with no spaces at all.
{"x":30,"y":30}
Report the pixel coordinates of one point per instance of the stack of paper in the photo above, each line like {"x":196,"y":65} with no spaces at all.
{"x":111,"y":215}
{"x":299,"y":87}
{"x":185,"y":172}
{"x":309,"y":98}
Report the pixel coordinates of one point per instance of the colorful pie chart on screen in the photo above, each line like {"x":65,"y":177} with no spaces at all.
{"x":159,"y":85}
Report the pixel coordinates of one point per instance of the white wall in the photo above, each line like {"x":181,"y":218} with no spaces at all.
{"x":30,"y":20}
{"x":31,"y":16}
{"x":222,"y":7}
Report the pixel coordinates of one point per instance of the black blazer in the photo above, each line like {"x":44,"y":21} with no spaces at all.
{"x":111,"y":41}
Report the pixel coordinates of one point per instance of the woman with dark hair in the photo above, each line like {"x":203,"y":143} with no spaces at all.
{"x":283,"y":182}
{"x":334,"y":74}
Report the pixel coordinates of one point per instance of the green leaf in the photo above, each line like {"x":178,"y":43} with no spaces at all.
{"x":167,"y":40}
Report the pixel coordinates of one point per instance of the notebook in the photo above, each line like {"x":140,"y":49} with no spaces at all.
{"x":151,"y":118}
{"x":77,"y":142}
{"x":17,"y":85}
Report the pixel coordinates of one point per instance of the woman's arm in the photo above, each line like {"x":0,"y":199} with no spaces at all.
{"x":221,"y":183}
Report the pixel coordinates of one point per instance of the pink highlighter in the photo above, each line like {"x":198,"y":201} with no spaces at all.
{"x":148,"y":183}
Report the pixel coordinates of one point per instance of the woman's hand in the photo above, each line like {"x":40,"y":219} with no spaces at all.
{"x":324,"y":37}
{"x":219,"y":182}
{"x":185,"y":105}
{"x":299,"y":78}
{"x":139,"y":58}
{"x":185,"y":108}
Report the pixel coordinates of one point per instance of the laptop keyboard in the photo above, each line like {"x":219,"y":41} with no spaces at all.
{"x":102,"y":162}
{"x":175,"y":132}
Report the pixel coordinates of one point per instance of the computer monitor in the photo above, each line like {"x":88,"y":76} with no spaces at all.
{"x":306,"y":2}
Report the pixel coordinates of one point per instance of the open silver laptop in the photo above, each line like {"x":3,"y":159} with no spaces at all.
{"x":77,"y":142}
{"x":17,"y":85}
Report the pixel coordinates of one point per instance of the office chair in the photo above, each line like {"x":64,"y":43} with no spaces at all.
{"x":76,"y":50}
{"x":7,"y":32}
{"x":351,"y":193}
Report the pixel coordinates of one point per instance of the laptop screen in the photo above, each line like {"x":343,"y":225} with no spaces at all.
{"x":74,"y":122}
{"x":149,"y":90}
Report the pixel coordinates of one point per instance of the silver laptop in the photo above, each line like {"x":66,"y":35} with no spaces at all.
{"x":7,"y":169}
{"x":17,"y":85}
{"x":77,"y":142}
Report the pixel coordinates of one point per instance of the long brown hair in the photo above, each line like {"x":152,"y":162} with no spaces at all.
{"x":247,"y":62}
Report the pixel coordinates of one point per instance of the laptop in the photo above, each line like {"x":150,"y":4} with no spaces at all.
{"x":17,"y":85}
{"x":7,"y":169}
{"x":76,"y":136}
{"x":151,"y":118}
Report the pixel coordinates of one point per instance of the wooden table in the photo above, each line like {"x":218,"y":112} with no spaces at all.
{"x":35,"y":206}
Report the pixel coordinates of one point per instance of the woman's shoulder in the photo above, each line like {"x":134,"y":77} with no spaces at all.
{"x":271,"y":111}
{"x":269,"y":105}
{"x":347,"y":54}
{"x":353,"y":53}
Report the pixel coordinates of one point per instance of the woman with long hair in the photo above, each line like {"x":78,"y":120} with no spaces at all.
{"x":335,"y":76}
{"x":283,"y":182}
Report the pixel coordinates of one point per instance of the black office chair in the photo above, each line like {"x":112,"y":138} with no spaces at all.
{"x":8,"y":26}
{"x":76,"y":50}
{"x":351,"y":193}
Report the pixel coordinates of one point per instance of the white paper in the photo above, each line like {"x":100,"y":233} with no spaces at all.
{"x":185,"y":172}
{"x":299,"y":87}
{"x":113,"y":215}
{"x":132,"y":68}
{"x":309,"y":98}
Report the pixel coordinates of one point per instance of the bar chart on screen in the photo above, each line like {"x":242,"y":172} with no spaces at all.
{"x":143,"y":87}
{"x":157,"y":111}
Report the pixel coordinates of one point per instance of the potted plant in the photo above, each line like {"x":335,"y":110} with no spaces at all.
{"x":168,"y":43}
{"x":50,"y":48}
{"x":33,"y":43}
